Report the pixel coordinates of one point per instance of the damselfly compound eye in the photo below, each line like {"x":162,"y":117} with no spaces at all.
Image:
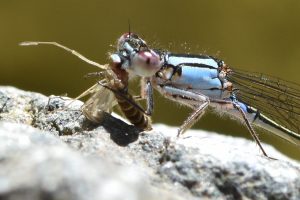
{"x":146,"y":63}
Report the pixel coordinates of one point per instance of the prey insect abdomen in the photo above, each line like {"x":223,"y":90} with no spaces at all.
{"x":132,"y":113}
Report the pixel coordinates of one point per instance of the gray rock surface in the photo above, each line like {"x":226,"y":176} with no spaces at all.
{"x":50,"y":152}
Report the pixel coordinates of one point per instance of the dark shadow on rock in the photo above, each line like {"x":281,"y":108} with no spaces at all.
{"x":3,"y":102}
{"x":120,"y":132}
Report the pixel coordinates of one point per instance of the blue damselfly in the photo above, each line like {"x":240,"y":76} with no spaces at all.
{"x":202,"y":81}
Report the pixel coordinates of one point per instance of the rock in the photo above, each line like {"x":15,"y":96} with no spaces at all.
{"x":38,"y":165}
{"x":229,"y":168}
{"x":50,"y":152}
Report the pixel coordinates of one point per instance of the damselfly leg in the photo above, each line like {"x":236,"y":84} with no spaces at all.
{"x":197,"y":101}
{"x":147,"y":94}
{"x":250,"y":128}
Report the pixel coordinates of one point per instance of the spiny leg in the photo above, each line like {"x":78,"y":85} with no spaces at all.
{"x":92,"y":89}
{"x":89,"y":91}
{"x":85,"y":93}
{"x":150,"y":102}
{"x":147,"y":93}
{"x":193,"y":118}
{"x":251,"y":130}
{"x":77,"y":54}
{"x":197,"y":101}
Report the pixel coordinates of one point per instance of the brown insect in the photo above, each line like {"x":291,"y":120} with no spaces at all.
{"x":133,"y":56}
{"x":111,"y":90}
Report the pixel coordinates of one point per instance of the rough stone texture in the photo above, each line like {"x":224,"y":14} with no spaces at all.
{"x":49,"y":152}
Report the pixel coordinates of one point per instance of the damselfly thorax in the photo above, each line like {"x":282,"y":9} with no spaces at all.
{"x":196,"y":74}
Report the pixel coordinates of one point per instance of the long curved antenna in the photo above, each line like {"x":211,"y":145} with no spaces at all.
{"x":35,"y":43}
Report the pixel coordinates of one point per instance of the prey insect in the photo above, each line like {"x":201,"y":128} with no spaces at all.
{"x":110,"y":91}
{"x":114,"y":85}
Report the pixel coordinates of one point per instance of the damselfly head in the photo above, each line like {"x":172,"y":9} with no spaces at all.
{"x":136,"y":57}
{"x":145,"y":63}
{"x":130,"y":42}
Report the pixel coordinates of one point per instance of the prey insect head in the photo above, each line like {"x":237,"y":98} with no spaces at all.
{"x":136,"y":57}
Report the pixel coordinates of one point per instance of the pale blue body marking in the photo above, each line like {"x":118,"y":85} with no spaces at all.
{"x":199,"y":78}
{"x":196,"y":73}
{"x":243,"y":106}
{"x":175,"y":60}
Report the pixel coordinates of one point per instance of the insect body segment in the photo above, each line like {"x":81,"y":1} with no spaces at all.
{"x":194,"y":73}
{"x":130,"y":110}
{"x":133,"y":112}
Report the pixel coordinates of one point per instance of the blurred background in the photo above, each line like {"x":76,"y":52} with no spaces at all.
{"x":259,"y":36}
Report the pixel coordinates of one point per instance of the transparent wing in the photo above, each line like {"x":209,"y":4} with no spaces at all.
{"x":277,"y":99}
{"x":102,"y":100}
